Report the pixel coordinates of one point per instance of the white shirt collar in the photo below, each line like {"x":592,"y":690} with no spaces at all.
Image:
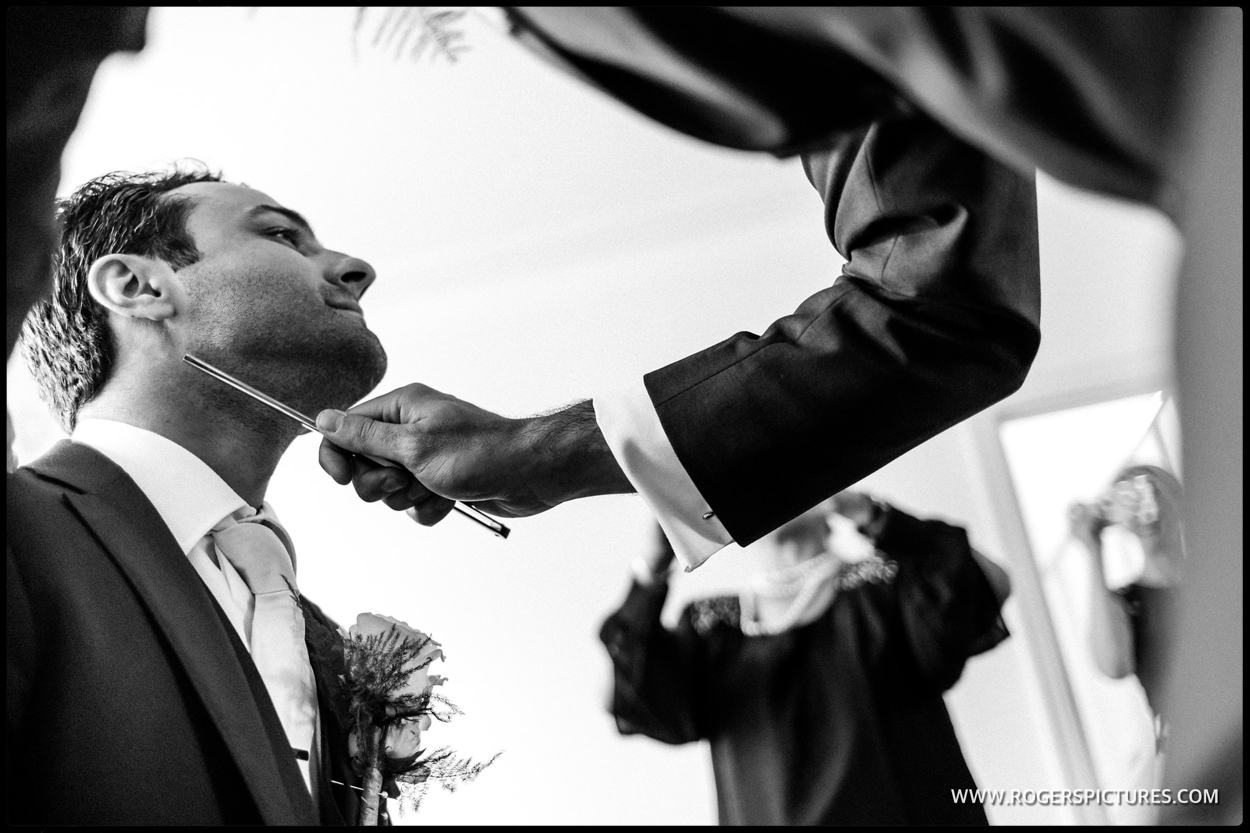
{"x":189,"y":496}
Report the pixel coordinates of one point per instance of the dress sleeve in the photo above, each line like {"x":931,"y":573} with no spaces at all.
{"x":947,"y":605}
{"x":655,"y":672}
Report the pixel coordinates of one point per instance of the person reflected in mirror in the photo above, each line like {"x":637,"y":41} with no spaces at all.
{"x":1137,"y":522}
{"x":819,"y":685}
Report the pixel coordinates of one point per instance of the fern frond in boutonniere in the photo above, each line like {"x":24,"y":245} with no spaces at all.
{"x":441,"y":766}
{"x":387,"y":689}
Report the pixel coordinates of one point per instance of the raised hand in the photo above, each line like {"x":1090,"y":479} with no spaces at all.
{"x":1087,"y":522}
{"x":855,"y":506}
{"x":450,"y":450}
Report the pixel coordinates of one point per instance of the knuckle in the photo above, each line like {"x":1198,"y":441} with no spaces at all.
{"x":409,"y":448}
{"x":360,"y":428}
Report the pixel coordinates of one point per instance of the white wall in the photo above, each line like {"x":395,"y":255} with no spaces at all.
{"x":535,"y":242}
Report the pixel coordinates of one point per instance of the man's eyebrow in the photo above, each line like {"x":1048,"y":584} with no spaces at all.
{"x":293,"y":216}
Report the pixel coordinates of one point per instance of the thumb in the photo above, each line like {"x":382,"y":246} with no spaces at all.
{"x":362,"y":435}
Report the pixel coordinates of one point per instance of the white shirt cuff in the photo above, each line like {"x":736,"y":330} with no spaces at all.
{"x":632,"y":429}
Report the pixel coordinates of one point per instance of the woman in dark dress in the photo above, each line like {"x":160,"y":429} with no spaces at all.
{"x":819,"y":686}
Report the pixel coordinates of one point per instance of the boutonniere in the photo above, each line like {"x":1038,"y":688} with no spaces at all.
{"x":384,"y":696}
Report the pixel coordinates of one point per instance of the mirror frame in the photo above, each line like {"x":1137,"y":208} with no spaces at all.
{"x":1050,"y":669}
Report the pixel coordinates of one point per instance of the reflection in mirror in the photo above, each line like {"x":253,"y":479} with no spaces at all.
{"x":1098,"y":492}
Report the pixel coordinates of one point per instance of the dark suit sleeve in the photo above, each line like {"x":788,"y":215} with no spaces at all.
{"x":19,"y":641}
{"x":656,"y":672}
{"x":934,"y":318}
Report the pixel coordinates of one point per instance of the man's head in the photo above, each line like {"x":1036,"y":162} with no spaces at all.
{"x":151,"y":266}
{"x":807,"y":532}
{"x":822,"y":530}
{"x":1146,"y":501}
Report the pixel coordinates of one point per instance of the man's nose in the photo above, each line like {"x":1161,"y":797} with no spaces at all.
{"x":353,"y":273}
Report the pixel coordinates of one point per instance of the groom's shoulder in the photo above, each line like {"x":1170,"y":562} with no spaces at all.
{"x":67,"y":466}
{"x":40,"y":496}
{"x":47,"y":543}
{"x":34,"y":490}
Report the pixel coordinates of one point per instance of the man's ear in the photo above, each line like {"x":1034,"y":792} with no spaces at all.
{"x":135,"y":286}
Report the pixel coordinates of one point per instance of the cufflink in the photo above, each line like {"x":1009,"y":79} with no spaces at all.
{"x":708,"y":515}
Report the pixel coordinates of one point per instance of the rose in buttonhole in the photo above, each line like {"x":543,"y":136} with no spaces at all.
{"x":420,"y":681}
{"x":403,"y":738}
{"x":388,"y":675}
{"x":378,"y":677}
{"x":402,"y":734}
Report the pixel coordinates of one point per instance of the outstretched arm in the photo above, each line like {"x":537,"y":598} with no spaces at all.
{"x":934,"y":318}
{"x":1107,"y":626}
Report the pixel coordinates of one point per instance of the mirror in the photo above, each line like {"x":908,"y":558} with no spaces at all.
{"x":1055,"y":459}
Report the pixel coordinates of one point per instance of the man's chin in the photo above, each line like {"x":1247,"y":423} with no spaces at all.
{"x":358,"y":378}
{"x":341,"y":376}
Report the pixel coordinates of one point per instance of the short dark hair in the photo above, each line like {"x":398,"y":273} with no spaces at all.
{"x":66,"y":339}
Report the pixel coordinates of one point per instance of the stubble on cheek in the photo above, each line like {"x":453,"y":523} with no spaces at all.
{"x":295,"y":349}
{"x":325,"y":362}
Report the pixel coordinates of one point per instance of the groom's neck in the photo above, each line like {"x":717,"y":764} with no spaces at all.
{"x":239,"y":440}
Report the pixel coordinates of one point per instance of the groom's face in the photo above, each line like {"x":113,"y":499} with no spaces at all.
{"x":271,"y":304}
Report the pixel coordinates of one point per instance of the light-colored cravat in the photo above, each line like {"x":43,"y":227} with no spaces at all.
{"x":260,"y":551}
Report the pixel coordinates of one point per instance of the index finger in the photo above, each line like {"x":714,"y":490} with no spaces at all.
{"x":394,"y":406}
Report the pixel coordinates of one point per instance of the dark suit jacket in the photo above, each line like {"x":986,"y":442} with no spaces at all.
{"x":1093,"y":95}
{"x":129,"y":697}
{"x":935,"y":316}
